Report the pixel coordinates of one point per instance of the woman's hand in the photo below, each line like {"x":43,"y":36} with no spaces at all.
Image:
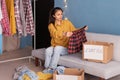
{"x":68,"y":34}
{"x":86,"y":28}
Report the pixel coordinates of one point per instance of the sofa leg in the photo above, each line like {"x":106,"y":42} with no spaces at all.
{"x":101,"y":79}
{"x":36,"y":61}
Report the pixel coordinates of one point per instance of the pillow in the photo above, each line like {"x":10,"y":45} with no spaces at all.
{"x":115,"y":39}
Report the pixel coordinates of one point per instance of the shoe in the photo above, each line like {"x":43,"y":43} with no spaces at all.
{"x":48,"y":71}
{"x":45,"y":71}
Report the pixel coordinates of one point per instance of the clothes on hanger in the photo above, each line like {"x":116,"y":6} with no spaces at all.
{"x":24,"y":17}
{"x":5,"y":20}
{"x":11,"y":15}
{"x":16,"y":20}
{"x":17,"y":17}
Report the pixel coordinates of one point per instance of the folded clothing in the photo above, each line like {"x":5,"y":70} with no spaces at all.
{"x":44,"y":76}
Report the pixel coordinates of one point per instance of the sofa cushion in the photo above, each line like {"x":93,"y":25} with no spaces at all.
{"x":115,"y":39}
{"x":71,"y":60}
{"x":97,"y":69}
{"x":39,"y":53}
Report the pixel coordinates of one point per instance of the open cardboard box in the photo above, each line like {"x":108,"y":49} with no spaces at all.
{"x":97,"y":51}
{"x":69,"y":74}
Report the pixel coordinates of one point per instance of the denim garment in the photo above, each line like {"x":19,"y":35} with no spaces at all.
{"x":53,"y":54}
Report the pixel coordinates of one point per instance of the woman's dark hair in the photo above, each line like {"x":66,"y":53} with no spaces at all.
{"x":52,"y":12}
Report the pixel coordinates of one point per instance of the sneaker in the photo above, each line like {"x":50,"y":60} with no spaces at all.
{"x":45,"y":71}
{"x":48,"y":71}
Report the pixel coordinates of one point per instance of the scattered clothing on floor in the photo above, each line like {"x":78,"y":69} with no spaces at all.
{"x":49,"y":70}
{"x":44,"y":76}
{"x":59,"y":69}
{"x":21,"y":73}
{"x":26,"y":77}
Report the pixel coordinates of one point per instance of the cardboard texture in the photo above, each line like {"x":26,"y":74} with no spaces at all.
{"x":97,"y":51}
{"x":70,"y":74}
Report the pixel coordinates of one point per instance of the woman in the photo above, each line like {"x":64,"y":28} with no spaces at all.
{"x":60,"y":31}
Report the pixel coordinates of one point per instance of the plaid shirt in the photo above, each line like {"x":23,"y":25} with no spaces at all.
{"x":5,"y":20}
{"x":24,"y":20}
{"x":28,"y":17}
{"x":76,"y":40}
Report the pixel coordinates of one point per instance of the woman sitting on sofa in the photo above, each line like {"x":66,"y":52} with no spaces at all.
{"x":60,"y":31}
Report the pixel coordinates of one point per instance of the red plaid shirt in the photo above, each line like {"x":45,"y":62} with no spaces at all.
{"x":76,"y":40}
{"x":5,"y":20}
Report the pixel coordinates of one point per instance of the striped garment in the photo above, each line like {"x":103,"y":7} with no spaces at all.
{"x":24,"y":20}
{"x":76,"y":40}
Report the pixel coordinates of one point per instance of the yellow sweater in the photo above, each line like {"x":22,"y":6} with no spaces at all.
{"x":56,"y":33}
{"x":42,"y":76}
{"x":10,"y":9}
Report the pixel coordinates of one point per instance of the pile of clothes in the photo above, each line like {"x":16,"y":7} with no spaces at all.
{"x":24,"y":73}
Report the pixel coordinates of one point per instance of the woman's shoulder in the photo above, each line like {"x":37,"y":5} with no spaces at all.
{"x":51,"y":24}
{"x":66,"y":20}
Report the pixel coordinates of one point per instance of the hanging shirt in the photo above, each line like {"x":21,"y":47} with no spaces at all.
{"x":11,"y":14}
{"x":18,"y":18}
{"x":75,"y":42}
{"x":5,"y":20}
{"x":28,"y":17}
{"x":24,"y":17}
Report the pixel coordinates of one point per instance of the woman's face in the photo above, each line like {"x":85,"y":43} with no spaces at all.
{"x":58,"y":15}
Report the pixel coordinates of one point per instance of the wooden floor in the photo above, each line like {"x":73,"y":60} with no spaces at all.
{"x":7,"y":69}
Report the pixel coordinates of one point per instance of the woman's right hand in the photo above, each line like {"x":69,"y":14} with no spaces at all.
{"x":68,"y":34}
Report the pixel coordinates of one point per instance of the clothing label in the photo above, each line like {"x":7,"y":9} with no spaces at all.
{"x":93,"y":52}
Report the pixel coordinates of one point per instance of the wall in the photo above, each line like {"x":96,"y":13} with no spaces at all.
{"x":102,"y":16}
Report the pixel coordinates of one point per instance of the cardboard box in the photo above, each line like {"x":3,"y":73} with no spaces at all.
{"x":97,"y":51}
{"x":70,"y":74}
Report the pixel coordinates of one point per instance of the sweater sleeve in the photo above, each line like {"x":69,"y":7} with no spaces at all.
{"x":72,"y":27}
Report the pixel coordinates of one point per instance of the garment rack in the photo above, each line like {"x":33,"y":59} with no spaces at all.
{"x":27,"y":57}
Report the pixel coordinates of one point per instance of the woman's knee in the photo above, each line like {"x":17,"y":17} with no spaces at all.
{"x":60,"y":50}
{"x":49,"y":51}
{"x":59,"y":47}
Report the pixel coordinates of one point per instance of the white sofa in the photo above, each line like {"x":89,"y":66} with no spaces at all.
{"x":104,"y":71}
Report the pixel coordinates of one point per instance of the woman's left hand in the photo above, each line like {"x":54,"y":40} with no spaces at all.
{"x":86,"y":27}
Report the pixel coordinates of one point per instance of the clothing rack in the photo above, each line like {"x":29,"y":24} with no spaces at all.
{"x":27,"y":57}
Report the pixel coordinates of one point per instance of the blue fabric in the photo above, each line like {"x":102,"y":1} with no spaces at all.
{"x":25,"y":41}
{"x":30,"y":73}
{"x":51,"y":71}
{"x":0,"y":44}
{"x":60,"y":69}
{"x":52,"y":55}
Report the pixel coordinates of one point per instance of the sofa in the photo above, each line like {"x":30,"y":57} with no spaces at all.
{"x":104,"y":71}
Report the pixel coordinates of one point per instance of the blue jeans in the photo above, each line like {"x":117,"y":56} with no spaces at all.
{"x":53,"y":54}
